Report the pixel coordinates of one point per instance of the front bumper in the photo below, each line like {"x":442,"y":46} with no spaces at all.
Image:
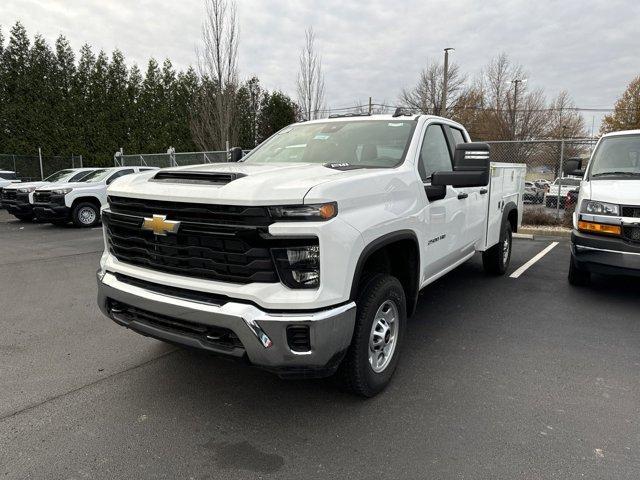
{"x":19,"y":206}
{"x":605,"y":255}
{"x":51,"y":211}
{"x":263,"y":335}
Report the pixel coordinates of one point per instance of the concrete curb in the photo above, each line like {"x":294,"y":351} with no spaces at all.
{"x":543,"y":232}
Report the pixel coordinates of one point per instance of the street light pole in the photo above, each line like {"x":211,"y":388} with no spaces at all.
{"x":443,"y":102}
{"x":515,"y":82}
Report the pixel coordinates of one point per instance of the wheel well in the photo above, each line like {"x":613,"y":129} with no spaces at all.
{"x":396,"y":256}
{"x":92,"y":200}
{"x":512,"y":217}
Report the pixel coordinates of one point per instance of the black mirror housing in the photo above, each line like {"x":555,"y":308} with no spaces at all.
{"x":471,"y":167}
{"x":235,"y":154}
{"x":573,"y":167}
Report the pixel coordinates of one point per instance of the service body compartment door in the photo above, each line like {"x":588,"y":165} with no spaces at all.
{"x":494,"y":207}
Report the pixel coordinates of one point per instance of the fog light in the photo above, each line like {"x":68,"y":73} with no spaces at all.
{"x":298,"y":267}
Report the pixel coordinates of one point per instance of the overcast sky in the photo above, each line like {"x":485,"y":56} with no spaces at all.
{"x":370,"y":48}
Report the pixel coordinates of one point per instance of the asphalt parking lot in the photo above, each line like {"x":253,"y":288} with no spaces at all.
{"x":505,"y":378}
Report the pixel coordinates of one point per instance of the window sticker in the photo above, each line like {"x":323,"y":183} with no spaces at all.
{"x":321,"y":136}
{"x":390,"y":124}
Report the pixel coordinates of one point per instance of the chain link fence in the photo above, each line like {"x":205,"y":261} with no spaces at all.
{"x":36,"y":167}
{"x":178,"y":159}
{"x":549,"y":194}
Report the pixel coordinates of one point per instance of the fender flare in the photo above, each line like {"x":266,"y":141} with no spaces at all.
{"x":377,"y":244}
{"x":508,"y":208}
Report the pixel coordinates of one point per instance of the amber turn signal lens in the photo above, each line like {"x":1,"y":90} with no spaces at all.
{"x":328,"y":210}
{"x":599,"y":228}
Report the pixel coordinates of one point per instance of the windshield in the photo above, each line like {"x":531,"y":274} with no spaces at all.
{"x":96,"y":175}
{"x":8,"y":176}
{"x":59,"y":175}
{"x":617,"y":156}
{"x":362,"y":143}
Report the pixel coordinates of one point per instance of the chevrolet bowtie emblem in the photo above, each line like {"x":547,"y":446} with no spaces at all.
{"x":159,"y":225}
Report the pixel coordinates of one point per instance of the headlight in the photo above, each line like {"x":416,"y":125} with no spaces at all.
{"x":298,"y":267}
{"x":599,"y":208}
{"x":61,"y":191}
{"x":26,"y":189}
{"x":313,"y":212}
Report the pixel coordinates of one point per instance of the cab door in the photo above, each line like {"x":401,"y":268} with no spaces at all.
{"x":445,"y":214}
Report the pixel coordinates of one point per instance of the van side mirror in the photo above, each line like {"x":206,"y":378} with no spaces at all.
{"x":235,"y":154}
{"x":471,"y":167}
{"x":573,"y":166}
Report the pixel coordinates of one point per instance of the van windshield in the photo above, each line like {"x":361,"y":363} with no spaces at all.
{"x":617,"y":156}
{"x":361,"y":143}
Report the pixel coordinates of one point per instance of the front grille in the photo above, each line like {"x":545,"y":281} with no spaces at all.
{"x":192,"y":212}
{"x":9,"y":194}
{"x":42,"y":197}
{"x":184,"y":293}
{"x":218,"y":336}
{"x":631,"y":211}
{"x":631,"y":233}
{"x":207,"y":245}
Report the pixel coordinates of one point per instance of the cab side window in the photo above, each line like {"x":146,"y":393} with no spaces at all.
{"x":457,"y":136}
{"x":434,"y":153}
{"x":119,"y":174}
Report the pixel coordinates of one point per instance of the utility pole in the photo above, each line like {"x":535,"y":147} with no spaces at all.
{"x":370,"y":106}
{"x":443,"y":103}
{"x":40,"y":157}
{"x":515,"y":82}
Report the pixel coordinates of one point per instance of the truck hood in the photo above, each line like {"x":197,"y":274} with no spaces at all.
{"x":264,"y":184}
{"x":621,"y":192}
{"x":15,"y":186}
{"x":74,"y":185}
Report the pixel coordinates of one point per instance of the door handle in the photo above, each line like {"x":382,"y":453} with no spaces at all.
{"x":462,"y":196}
{"x":483,"y":191}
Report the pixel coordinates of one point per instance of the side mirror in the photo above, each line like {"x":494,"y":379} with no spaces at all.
{"x":471,"y":167}
{"x":235,"y":154}
{"x":573,"y":167}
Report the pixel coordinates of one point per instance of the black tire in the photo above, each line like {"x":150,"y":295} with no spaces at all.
{"x":85,"y":215}
{"x":494,"y":260}
{"x":578,"y":276}
{"x":24,"y":217}
{"x":356,"y":372}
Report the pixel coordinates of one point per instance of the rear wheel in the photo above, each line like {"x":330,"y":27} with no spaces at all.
{"x":496,"y":260}
{"x":379,"y":330}
{"x":578,"y":277}
{"x":85,"y":215}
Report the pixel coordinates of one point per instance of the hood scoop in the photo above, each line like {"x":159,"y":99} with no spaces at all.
{"x":196,"y":178}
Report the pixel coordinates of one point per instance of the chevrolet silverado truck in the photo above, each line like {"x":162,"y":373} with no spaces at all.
{"x":17,"y":198}
{"x":78,"y":201}
{"x":307,"y":255}
{"x":606,"y":222}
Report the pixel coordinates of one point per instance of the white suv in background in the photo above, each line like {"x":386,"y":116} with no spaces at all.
{"x":80,"y":201}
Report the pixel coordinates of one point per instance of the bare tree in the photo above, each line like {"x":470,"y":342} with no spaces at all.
{"x":212,"y":122}
{"x":426,"y":96}
{"x":310,"y":82}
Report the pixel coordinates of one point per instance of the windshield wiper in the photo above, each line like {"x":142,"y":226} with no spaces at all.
{"x":629,"y":174}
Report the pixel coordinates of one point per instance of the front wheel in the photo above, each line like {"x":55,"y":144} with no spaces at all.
{"x":578,"y":277}
{"x":496,"y":260}
{"x":378,"y":333}
{"x":85,"y":215}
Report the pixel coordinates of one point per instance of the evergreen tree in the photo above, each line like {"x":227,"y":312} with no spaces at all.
{"x":134,"y":119}
{"x":150,"y":107}
{"x":117,"y":103}
{"x":63,"y":77}
{"x":81,"y":102}
{"x":185,"y":91}
{"x":41,"y":96}
{"x":276,"y":112}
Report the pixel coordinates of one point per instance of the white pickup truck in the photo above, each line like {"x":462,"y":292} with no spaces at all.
{"x":78,"y":201}
{"x":307,"y":256}
{"x":606,"y":223}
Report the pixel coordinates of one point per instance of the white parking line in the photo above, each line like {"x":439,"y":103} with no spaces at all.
{"x":526,"y":266}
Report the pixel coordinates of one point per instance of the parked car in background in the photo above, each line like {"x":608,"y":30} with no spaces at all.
{"x":7,"y":177}
{"x":564,"y":185}
{"x":17,"y":198}
{"x":543,"y":184}
{"x":606,"y":223}
{"x":533,"y":193}
{"x":78,"y":201}
{"x":572,"y":199}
